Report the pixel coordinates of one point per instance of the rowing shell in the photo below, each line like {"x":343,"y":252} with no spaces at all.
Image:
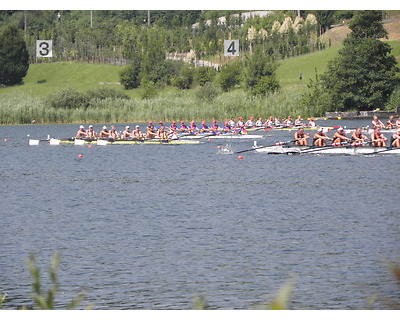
{"x":338,"y":150}
{"x":104,"y":142}
{"x":221,"y":136}
{"x":284,"y":128}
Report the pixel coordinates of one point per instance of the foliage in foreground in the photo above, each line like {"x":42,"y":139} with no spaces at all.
{"x":46,"y":300}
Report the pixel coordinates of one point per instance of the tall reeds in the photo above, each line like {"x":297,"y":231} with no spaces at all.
{"x":172,"y":105}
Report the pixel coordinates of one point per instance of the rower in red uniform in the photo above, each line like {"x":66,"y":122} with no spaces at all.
{"x":204,"y":127}
{"x":378,"y":139}
{"x":301,"y":137}
{"x":339,"y":137}
{"x":81,"y":132}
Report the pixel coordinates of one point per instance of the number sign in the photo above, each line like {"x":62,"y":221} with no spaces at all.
{"x":44,"y":48}
{"x":231,"y":48}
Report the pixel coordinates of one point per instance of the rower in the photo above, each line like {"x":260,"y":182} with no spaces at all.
{"x":301,"y":137}
{"x":298,"y":122}
{"x":183,"y":127}
{"x":259,"y":122}
{"x":104,"y":133}
{"x":161,"y":134}
{"x":137,"y":134}
{"x":269,"y":122}
{"x":339,"y":137}
{"x":378,"y":139}
{"x":249,"y":123}
{"x":396,"y":139}
{"x":204,"y":127}
{"x":311,"y":123}
{"x":193,"y":128}
{"x":232,"y":122}
{"x":376,"y":123}
{"x":320,"y":138}
{"x":226,"y":128}
{"x":398,"y":122}
{"x":215,"y":127}
{"x":288,"y":122}
{"x":358,"y":137}
{"x":151,"y":132}
{"x":81,"y":132}
{"x":173,"y":126}
{"x":113,"y":133}
{"x":390,"y":124}
{"x":90,"y":133}
{"x":127,"y":133}
{"x":239,"y":124}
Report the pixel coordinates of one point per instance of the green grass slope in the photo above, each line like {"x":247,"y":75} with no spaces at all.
{"x":44,"y":78}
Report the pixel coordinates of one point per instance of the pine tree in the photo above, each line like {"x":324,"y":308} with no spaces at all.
{"x":14,"y":58}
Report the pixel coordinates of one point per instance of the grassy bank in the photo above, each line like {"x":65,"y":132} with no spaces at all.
{"x":25,"y":103}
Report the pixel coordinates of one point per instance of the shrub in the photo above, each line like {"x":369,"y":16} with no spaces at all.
{"x":208,"y":92}
{"x":67,"y":98}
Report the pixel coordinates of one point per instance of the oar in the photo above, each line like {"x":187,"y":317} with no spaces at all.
{"x":272,"y":145}
{"x":381,"y":151}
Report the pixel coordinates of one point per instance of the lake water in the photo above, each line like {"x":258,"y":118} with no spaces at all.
{"x":153,"y":227}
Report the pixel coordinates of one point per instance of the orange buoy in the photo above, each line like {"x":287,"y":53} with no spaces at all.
{"x":219,"y":147}
{"x":240,"y":157}
{"x":80,"y":156}
{"x":5,"y":140}
{"x":90,"y":146}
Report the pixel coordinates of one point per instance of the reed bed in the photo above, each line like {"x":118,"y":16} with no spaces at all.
{"x":17,"y":108}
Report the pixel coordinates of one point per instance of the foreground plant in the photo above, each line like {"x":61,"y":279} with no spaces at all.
{"x":46,"y":300}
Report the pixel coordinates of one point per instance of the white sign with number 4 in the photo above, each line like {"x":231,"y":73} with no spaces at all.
{"x":44,"y":48}
{"x":231,"y":48}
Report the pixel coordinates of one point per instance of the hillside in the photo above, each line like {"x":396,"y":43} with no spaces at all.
{"x":337,"y":34}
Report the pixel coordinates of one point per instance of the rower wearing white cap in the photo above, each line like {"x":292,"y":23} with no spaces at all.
{"x":81,"y":132}
{"x":127,"y":133}
{"x":90,"y":133}
{"x":339,"y":137}
{"x":320,"y":138}
{"x":396,"y":139}
{"x":137,"y":134}
{"x":104,"y":133}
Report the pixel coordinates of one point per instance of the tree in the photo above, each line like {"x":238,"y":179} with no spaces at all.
{"x":14,"y":57}
{"x":259,"y":76}
{"x":364,"y":74}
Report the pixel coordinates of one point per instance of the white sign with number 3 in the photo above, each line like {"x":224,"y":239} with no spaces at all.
{"x":231,"y":48}
{"x":44,"y":48}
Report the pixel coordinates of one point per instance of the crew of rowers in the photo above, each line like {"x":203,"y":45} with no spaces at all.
{"x":377,"y":139}
{"x":162,"y":132}
{"x":165,"y":132}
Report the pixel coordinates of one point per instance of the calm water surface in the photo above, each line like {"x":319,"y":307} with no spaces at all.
{"x":152,"y":227}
